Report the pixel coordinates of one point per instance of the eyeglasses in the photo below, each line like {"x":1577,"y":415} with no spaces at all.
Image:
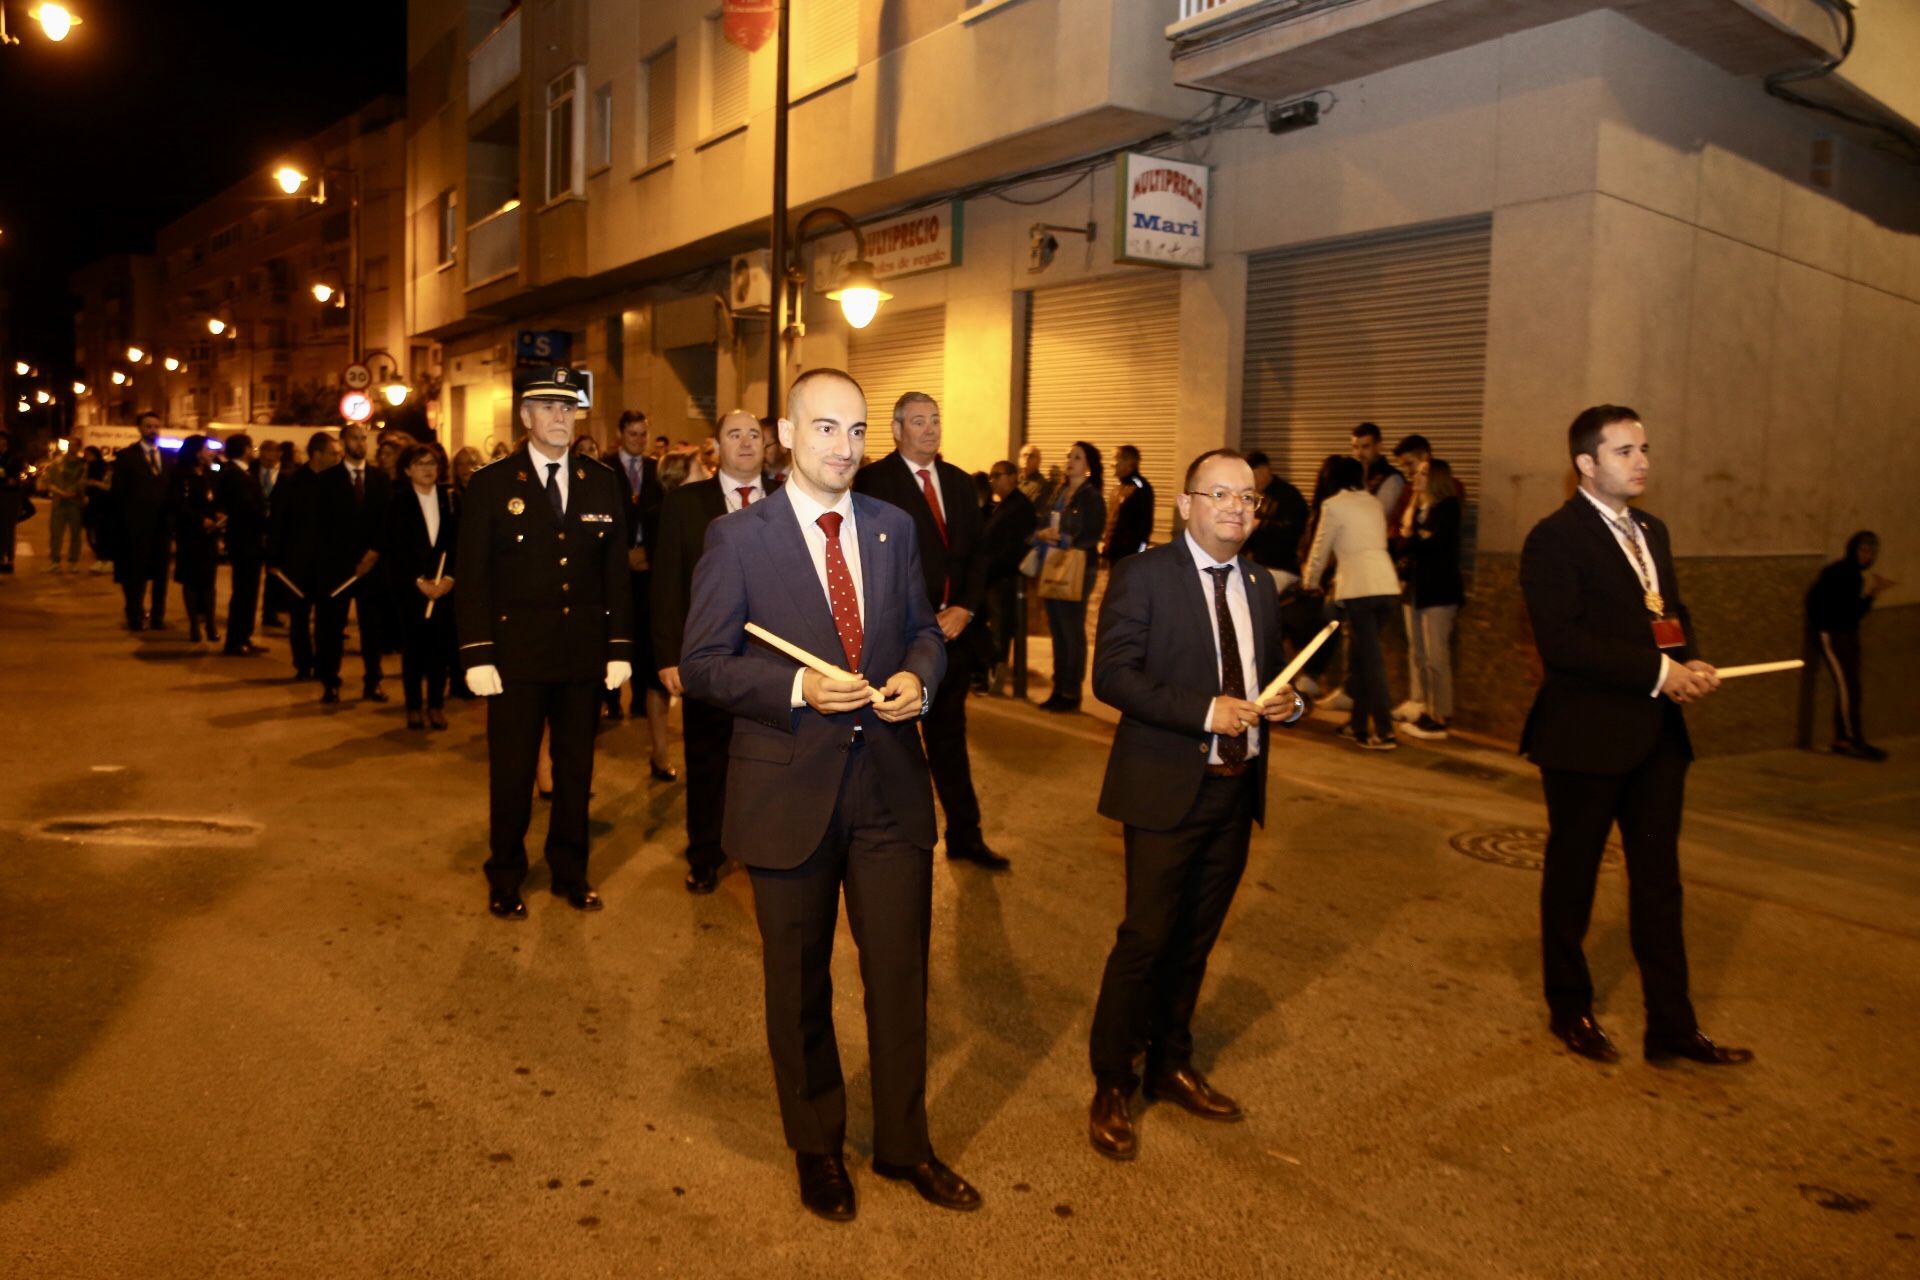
{"x":1227,"y":499}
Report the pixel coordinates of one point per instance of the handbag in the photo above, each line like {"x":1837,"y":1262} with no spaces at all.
{"x":1030,"y":563}
{"x":1064,"y":575}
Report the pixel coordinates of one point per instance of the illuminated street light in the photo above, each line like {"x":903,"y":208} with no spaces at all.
{"x":55,"y":19}
{"x":322,"y":291}
{"x":120,"y":379}
{"x":79,"y":388}
{"x":172,"y":365}
{"x":216,"y":326}
{"x":859,"y":294}
{"x":41,"y":397}
{"x":24,"y":407}
{"x":135,"y":355}
{"x":22,"y":368}
{"x":396,"y":393}
{"x":290,"y":178}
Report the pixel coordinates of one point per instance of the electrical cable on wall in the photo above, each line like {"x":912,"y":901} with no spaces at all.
{"x":1842,"y":12}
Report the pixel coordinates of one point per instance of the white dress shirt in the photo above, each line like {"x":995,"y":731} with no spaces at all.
{"x":1240,"y":610}
{"x":808,"y":512}
{"x":540,"y":463}
{"x":430,"y":509}
{"x":1650,"y":580}
{"x":730,"y":490}
{"x":933,"y":472}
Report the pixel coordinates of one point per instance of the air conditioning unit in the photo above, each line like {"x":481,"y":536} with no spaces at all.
{"x":752,"y":282}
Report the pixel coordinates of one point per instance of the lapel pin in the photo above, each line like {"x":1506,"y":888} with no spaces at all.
{"x":523,"y":477}
{"x":883,"y":537}
{"x":580,"y":474}
{"x":515,"y":506}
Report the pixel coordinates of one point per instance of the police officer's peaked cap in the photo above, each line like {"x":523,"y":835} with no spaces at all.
{"x":552,"y":382}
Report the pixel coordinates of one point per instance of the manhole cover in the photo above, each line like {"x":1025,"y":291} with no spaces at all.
{"x":1522,"y":847}
{"x":149,"y":829}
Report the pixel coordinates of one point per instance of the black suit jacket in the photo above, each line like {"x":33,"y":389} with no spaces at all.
{"x":540,"y":600}
{"x":236,"y":493}
{"x":406,"y":553}
{"x":785,"y":763}
{"x":1593,"y":713}
{"x":354,"y":522}
{"x":643,"y":504}
{"x":1009,"y":528}
{"x":300,"y":541}
{"x":1133,"y":522}
{"x":682,"y":537}
{"x":142,"y":513}
{"x":1154,"y":660}
{"x":956,"y":568}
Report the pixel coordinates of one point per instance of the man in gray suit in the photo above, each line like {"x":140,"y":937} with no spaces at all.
{"x":827,"y":786}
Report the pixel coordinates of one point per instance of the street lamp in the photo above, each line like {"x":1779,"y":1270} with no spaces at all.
{"x":294,"y":173}
{"x":55,"y":19}
{"x":121,"y":380}
{"x":172,"y":365}
{"x":291,"y":178}
{"x":79,"y":388}
{"x":22,"y":368}
{"x":135,"y":355}
{"x":41,"y":397}
{"x":216,"y":326}
{"x":396,"y":393}
{"x":322,"y":291}
{"x":859,"y":294}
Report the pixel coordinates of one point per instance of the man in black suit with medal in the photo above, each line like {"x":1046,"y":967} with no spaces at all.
{"x":707,"y":729}
{"x":945,"y":508}
{"x":543,"y":618}
{"x":1608,"y":734}
{"x":826,"y":786}
{"x":1189,"y":635}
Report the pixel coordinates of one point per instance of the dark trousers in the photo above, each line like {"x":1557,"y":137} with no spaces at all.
{"x":1179,"y":886}
{"x":1067,"y":621}
{"x":1367,"y":664}
{"x":197,"y":592}
{"x":1581,"y":810}
{"x":370,"y":611}
{"x":889,"y":884}
{"x":329,"y":642}
{"x":1841,"y":651}
{"x":423,"y":653}
{"x":567,"y":713}
{"x":708,"y":732}
{"x":243,"y":602}
{"x":300,"y":632}
{"x":10,"y":527}
{"x":1003,"y":615}
{"x":945,"y":733}
{"x":134,"y":585}
{"x":276,"y":601}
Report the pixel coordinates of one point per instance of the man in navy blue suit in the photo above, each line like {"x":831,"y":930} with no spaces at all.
{"x":827,"y":784}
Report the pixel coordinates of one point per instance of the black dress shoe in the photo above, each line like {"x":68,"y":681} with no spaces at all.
{"x":703,"y":880}
{"x":436,"y":718}
{"x":415,"y":720}
{"x":301,"y":674}
{"x":583,"y":898}
{"x":937,"y":1184}
{"x":242,"y":651}
{"x":663,"y":772}
{"x":213,"y":637}
{"x":1696,"y":1048}
{"x":1583,"y":1036}
{"x":825,"y":1188}
{"x":374,"y":693}
{"x":330,"y":694}
{"x":507,"y":906}
{"x":1189,"y":1090}
{"x":1110,"y":1124}
{"x":977,"y":853}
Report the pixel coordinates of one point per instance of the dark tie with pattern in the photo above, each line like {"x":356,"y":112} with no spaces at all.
{"x":554,"y":499}
{"x":1233,"y":677}
{"x":846,"y":607}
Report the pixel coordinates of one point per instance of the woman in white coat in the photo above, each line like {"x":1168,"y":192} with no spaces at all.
{"x":1352,"y":536}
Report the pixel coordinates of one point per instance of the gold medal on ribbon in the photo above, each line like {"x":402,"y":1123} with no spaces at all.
{"x":1655,"y":604}
{"x":515,"y":507}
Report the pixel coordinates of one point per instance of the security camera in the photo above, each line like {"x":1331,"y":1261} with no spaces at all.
{"x":1040,"y":249}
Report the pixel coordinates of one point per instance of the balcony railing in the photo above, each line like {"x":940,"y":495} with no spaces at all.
{"x":494,"y":63}
{"x":493,"y":246}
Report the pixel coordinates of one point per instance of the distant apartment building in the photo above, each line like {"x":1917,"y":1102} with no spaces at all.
{"x":1181,"y":224}
{"x":115,"y":300}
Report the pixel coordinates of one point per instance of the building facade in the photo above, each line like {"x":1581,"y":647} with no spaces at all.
{"x":1495,"y":216}
{"x":116,"y":302}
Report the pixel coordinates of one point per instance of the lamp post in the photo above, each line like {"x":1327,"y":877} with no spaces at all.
{"x":292,"y":176}
{"x":857,"y":291}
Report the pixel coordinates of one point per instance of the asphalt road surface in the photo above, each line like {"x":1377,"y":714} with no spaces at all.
{"x":255,"y":1020}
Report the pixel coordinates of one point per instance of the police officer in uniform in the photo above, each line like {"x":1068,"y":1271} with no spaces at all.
{"x":545,"y":626}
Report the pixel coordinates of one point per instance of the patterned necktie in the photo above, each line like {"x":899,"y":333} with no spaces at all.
{"x":846,"y":608}
{"x":153,"y":461}
{"x":746,"y":495}
{"x":553,"y":492}
{"x":1631,"y":536}
{"x":1233,"y":677}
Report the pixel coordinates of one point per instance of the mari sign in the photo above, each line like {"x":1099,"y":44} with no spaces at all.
{"x":925,"y":240}
{"x":1162,"y":212}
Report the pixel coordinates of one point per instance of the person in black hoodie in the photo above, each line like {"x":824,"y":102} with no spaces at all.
{"x":1837,"y":601}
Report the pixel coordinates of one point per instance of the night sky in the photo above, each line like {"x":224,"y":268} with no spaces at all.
{"x":150,"y":107}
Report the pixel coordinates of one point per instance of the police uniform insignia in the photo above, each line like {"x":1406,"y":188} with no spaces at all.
{"x":560,"y":376}
{"x":515,"y":506}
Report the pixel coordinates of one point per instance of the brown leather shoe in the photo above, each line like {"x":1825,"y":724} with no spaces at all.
{"x":1583,"y":1036}
{"x":1697,"y":1048}
{"x":1110,"y":1124}
{"x":1187,"y":1088}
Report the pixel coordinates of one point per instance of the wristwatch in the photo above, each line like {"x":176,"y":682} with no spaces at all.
{"x":926,"y":700}
{"x":1299,"y":709}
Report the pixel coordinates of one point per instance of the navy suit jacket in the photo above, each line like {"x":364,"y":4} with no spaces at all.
{"x":785,"y":764}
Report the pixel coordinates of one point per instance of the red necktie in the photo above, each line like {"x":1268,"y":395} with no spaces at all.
{"x":846,"y":609}
{"x":746,"y":495}
{"x":939,"y":523}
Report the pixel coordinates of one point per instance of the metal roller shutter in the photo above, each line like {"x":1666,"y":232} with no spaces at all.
{"x":1103,"y":366}
{"x":899,"y":352}
{"x":1390,"y":329}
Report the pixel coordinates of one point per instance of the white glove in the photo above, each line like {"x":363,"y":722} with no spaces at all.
{"x":618,"y":673}
{"x":484,"y":680}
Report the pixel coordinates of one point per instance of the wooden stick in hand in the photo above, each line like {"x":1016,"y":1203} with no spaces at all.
{"x":439,"y":572}
{"x":1312,"y":646}
{"x":1759,"y":668}
{"x":805,"y":659}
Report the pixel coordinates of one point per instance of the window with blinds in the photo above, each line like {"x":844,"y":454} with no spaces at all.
{"x":1390,"y":329}
{"x":1103,"y":365}
{"x":826,"y":40}
{"x":659,"y":83}
{"x":726,"y":80}
{"x":900,"y":351}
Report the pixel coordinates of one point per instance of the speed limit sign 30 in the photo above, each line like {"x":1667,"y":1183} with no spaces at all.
{"x":356,"y":377}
